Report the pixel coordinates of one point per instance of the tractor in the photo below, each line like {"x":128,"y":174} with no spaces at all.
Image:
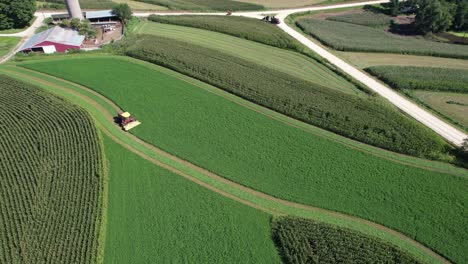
{"x":127,"y":121}
{"x":272,"y":20}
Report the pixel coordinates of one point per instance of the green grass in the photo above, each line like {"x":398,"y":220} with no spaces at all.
{"x":453,"y":106}
{"x":51,"y":178}
{"x":304,"y":241}
{"x":369,"y":119}
{"x":7,"y":44}
{"x":365,"y":60}
{"x":135,"y":5}
{"x":204,"y":5}
{"x":422,"y":78}
{"x":272,"y":157}
{"x":242,"y":27}
{"x":285,"y":61}
{"x":349,"y":37}
{"x":369,"y":19}
{"x":100,"y":109}
{"x":85,"y":4}
{"x":459,"y":34}
{"x":156,"y":216}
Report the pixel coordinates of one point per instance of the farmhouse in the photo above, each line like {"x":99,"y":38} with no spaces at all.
{"x":56,"y":39}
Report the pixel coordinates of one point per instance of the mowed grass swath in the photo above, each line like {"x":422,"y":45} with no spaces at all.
{"x":350,"y":37}
{"x":282,"y":60}
{"x":156,"y":216}
{"x":368,"y":120}
{"x":422,"y":78}
{"x":242,"y":27}
{"x":102,"y":109}
{"x":365,"y":60}
{"x":305,"y":241}
{"x":452,"y":106}
{"x":204,"y":5}
{"x":189,"y":120}
{"x":51,"y":178}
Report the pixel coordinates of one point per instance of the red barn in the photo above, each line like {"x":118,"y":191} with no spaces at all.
{"x":56,"y":39}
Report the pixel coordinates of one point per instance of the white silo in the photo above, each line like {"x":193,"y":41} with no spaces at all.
{"x":74,"y":9}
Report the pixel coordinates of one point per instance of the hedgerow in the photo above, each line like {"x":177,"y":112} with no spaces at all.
{"x":51,"y":178}
{"x":305,"y":241}
{"x":369,"y":19}
{"x":349,"y":37}
{"x":204,"y":5}
{"x":365,"y":119}
{"x":423,"y":78}
{"x":242,"y":27}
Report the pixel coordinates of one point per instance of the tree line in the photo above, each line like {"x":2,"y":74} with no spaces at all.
{"x":16,"y":13}
{"x":435,"y":15}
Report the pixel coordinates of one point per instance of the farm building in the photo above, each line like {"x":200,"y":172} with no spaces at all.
{"x":56,"y":39}
{"x":100,"y":16}
{"x":93,"y":16}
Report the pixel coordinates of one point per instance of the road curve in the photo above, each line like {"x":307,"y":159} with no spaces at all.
{"x":447,"y":131}
{"x":24,"y":35}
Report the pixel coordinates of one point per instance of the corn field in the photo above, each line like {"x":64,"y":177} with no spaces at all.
{"x":50,"y":178}
{"x":305,"y":241}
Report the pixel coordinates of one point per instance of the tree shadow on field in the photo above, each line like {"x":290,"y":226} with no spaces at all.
{"x":461,"y":157}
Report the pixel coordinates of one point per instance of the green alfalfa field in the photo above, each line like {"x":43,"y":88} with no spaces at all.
{"x":157,"y":216}
{"x":193,"y":122}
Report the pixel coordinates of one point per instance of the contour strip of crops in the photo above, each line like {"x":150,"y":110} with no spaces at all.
{"x":50,"y":180}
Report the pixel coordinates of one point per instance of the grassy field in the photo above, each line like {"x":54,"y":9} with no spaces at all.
{"x":204,"y":5}
{"x":242,"y":27}
{"x":369,"y":19}
{"x":7,"y":44}
{"x":156,"y":216}
{"x":366,"y":59}
{"x":368,"y":119}
{"x":304,"y":241}
{"x":51,"y":180}
{"x":102,"y":109}
{"x":350,"y":37}
{"x":135,"y":5}
{"x":459,"y":34}
{"x":239,"y":143}
{"x":85,"y":4}
{"x":292,"y":3}
{"x":452,"y":105}
{"x":282,"y":60}
{"x":422,"y":78}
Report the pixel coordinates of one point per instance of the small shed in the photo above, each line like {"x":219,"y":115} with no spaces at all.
{"x":53,"y":40}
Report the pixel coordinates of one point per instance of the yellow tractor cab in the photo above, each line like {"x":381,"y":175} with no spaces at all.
{"x":127,"y":121}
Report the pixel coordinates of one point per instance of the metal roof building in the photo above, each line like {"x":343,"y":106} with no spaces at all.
{"x":56,"y":39}
{"x":96,"y":15}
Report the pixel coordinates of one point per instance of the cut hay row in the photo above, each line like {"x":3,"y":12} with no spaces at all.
{"x":286,"y":61}
{"x":350,"y":37}
{"x":214,"y":130}
{"x":51,"y":178}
